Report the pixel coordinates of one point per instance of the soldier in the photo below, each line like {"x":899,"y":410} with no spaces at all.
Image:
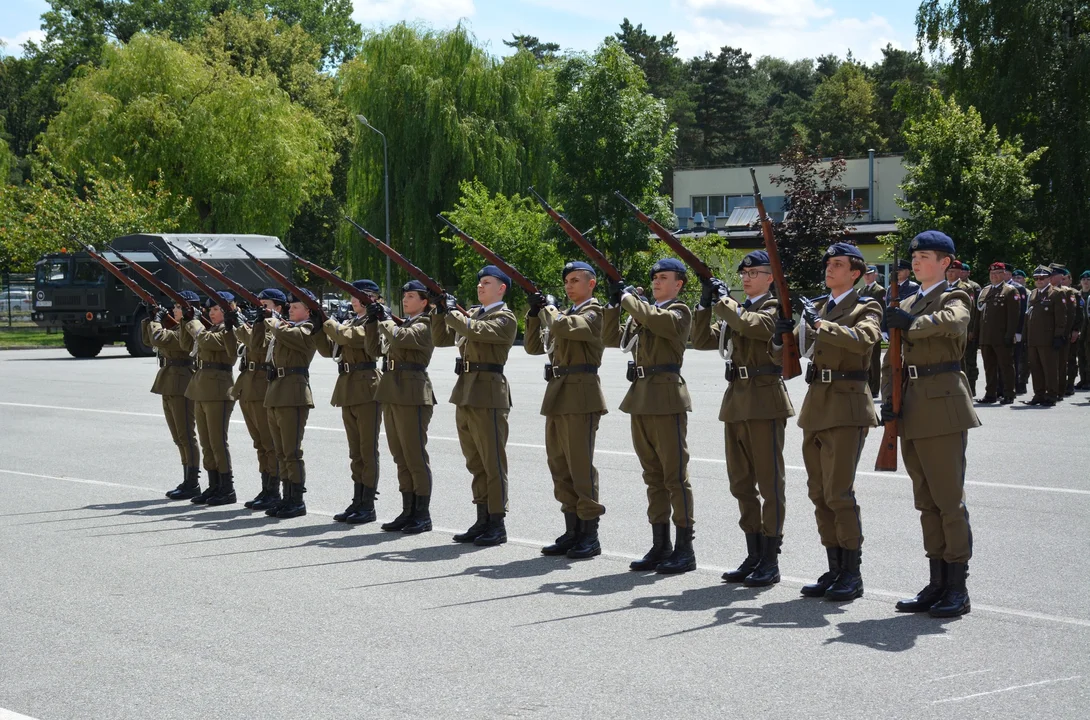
{"x":1078,"y":333}
{"x":957,"y":277}
{"x":573,"y":404}
{"x":658,"y":402}
{"x":172,"y":350}
{"x":292,"y":344}
{"x":905,"y":285}
{"x":210,"y":389}
{"x":1046,"y":324}
{"x":355,"y":393}
{"x":1021,"y":355}
{"x":407,"y":400}
{"x":837,"y":414}
{"x":249,"y":393}
{"x":481,"y":396}
{"x":998,"y":310}
{"x":754,"y":411}
{"x":937,"y":413}
{"x":873,"y":289}
{"x":1084,"y":355}
{"x":1073,"y":313}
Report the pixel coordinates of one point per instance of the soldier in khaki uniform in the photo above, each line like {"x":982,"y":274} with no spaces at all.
{"x":573,"y":404}
{"x":481,"y":396}
{"x":1021,"y":352}
{"x":837,"y":414}
{"x":408,"y":400}
{"x":172,"y":350}
{"x":874,"y":289}
{"x":1083,"y":346}
{"x":957,"y":275}
{"x":937,"y":413}
{"x":1061,"y":280}
{"x":1046,"y":333}
{"x":658,"y":403}
{"x":357,"y":385}
{"x":215,"y":349}
{"x":292,"y":344}
{"x":998,"y":311}
{"x":754,"y":411}
{"x":249,"y":393}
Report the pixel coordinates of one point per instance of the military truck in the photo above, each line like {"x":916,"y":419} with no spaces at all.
{"x":75,"y":294}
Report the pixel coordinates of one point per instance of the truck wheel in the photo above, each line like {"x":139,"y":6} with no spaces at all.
{"x":79,"y":346}
{"x":134,"y":341}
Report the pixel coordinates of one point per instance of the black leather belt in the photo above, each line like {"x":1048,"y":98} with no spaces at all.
{"x":285,"y":371}
{"x":555,"y":371}
{"x":402,"y":366}
{"x":171,"y":362}
{"x":244,"y":366}
{"x":464,"y":366}
{"x":203,"y":365}
{"x":826,"y":375}
{"x":639,"y":372}
{"x":345,"y":368}
{"x":913,"y":372}
{"x":743,"y":372}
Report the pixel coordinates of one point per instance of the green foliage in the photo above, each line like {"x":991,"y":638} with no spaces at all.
{"x":727,"y":105}
{"x":963,"y":179}
{"x":711,"y":248}
{"x":247,"y":155}
{"x":843,"y":118}
{"x":543,"y":51}
{"x":900,"y":72}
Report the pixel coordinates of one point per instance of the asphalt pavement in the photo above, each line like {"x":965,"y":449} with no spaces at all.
{"x":117,"y":603}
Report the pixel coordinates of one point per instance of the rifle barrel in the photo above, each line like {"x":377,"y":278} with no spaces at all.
{"x":579,"y":239}
{"x":687,"y":256}
{"x":235,"y":287}
{"x":493,"y":258}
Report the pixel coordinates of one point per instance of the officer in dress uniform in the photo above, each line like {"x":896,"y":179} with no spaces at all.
{"x":1077,"y":326}
{"x":754,"y":411}
{"x":481,"y":396}
{"x":573,"y":404}
{"x":249,"y":393}
{"x":407,"y":399}
{"x":1083,"y":355}
{"x":1071,"y":298}
{"x":873,"y":289}
{"x":658,"y":402}
{"x":837,"y":414}
{"x":957,"y":275}
{"x":1021,"y":354}
{"x":1046,"y":333}
{"x":172,"y":349}
{"x":355,"y":393}
{"x":215,"y":349}
{"x":999,"y":313}
{"x":905,"y":285}
{"x":936,"y":415}
{"x":292,"y":344}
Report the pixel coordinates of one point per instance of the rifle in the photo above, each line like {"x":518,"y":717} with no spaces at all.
{"x":493,"y":258}
{"x":192,"y":277}
{"x":887,"y":451}
{"x":285,"y":283}
{"x":702,"y":271}
{"x":161,"y":286}
{"x":233,"y":286}
{"x":792,"y":364}
{"x":127,"y":281}
{"x":333,"y":280}
{"x":577,"y":237}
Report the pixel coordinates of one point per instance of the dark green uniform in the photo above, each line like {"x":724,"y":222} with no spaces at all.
{"x":1046,"y":327}
{"x":998,"y":310}
{"x":172,"y":351}
{"x":1083,"y":348}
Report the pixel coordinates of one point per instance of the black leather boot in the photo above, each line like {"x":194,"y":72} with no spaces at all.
{"x":225,"y":494}
{"x":212,"y":489}
{"x":293,"y":505}
{"x":930,"y":594}
{"x":955,"y":599}
{"x":420,"y":520}
{"x":272,"y":494}
{"x":399,"y":523}
{"x":357,"y":499}
{"x":476,"y":529}
{"x":683,"y":559}
{"x":565,"y":542}
{"x":365,"y":513}
{"x":767,"y":571}
{"x":753,"y":556}
{"x":826,"y":580}
{"x":494,"y":534}
{"x":586,"y":540}
{"x":661,"y":547}
{"x":190,"y":486}
{"x":261,"y":495}
{"x":272,"y":510}
{"x":849,"y":583}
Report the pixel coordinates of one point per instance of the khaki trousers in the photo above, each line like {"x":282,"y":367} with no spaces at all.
{"x":755,"y":470}
{"x":257,"y":422}
{"x":569,"y":448}
{"x":482,"y":433}
{"x":998,"y":370}
{"x":182,"y":422}
{"x":660,"y":444}
{"x":407,"y":436}
{"x":362,"y":424}
{"x":1044,"y":367}
{"x":212,"y":421}
{"x":287,"y":425}
{"x":831,"y":457}
{"x":937,"y":468}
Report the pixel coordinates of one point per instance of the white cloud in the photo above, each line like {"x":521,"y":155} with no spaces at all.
{"x":14,"y":45}
{"x":370,"y":13}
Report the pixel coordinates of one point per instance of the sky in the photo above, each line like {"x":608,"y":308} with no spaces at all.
{"x":790,"y":29}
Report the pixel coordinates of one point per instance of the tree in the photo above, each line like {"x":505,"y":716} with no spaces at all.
{"x":843,"y":117}
{"x":727,"y":106}
{"x":783,"y":90}
{"x":963,"y":179}
{"x":543,"y":51}
{"x":897,"y":69}
{"x":247,"y":155}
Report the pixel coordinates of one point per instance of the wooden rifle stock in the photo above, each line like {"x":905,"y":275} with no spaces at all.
{"x":493,"y":258}
{"x":127,"y":281}
{"x":579,"y":239}
{"x":161,"y":286}
{"x":403,"y":262}
{"x":887,"y":451}
{"x":233,"y":286}
{"x":333,"y":279}
{"x":204,"y":287}
{"x":699,"y":267}
{"x":284,"y":282}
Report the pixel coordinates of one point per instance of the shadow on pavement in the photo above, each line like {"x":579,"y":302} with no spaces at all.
{"x":894,"y":634}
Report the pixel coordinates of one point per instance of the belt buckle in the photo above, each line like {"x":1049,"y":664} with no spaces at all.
{"x":640,"y":372}
{"x":826,"y":375}
{"x":345,"y":367}
{"x":743,"y":372}
{"x":465,"y":365}
{"x":200,"y":364}
{"x":252,"y":366}
{"x":391,"y":365}
{"x":913,"y":372}
{"x":280,"y":372}
{"x":554,"y":371}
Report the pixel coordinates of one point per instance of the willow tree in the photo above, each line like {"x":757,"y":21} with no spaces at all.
{"x":450,"y":112}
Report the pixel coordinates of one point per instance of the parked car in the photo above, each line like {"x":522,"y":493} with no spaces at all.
{"x":15,"y":300}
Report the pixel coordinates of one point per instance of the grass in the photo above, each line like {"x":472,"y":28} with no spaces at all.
{"x":29,"y":338}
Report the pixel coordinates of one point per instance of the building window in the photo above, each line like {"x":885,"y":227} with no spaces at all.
{"x":714,"y":206}
{"x":854,"y":200}
{"x":700,"y":204}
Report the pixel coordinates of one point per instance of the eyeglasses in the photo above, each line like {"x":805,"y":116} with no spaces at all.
{"x":754,"y":274}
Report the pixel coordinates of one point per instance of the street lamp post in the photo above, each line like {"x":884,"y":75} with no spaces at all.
{"x":388,"y":294}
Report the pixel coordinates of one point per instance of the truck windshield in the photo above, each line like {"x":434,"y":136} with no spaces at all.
{"x":89,"y":272}
{"x":53,"y":272}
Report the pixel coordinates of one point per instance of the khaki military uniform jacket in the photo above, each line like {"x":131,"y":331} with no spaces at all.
{"x":842,"y":344}
{"x":1073,"y":308}
{"x":1046,"y":317}
{"x":217,"y":345}
{"x":659,"y":335}
{"x":293,"y":346}
{"x":876,"y":291}
{"x":172,"y":344}
{"x":411,"y":343}
{"x":350,"y":339}
{"x":251,"y":385}
{"x":484,"y":337}
{"x":575,"y":337}
{"x":998,"y":309}
{"x":762,"y":397}
{"x":938,"y":404}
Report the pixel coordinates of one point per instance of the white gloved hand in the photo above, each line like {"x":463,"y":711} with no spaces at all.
{"x":1018,"y":337}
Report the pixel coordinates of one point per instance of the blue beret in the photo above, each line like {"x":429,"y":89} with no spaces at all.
{"x":190,"y":296}
{"x":275,"y":294}
{"x":414,"y":286}
{"x":754,"y":259}
{"x":366,"y":286}
{"x":842,"y":249}
{"x":669,"y":265}
{"x":872,"y":269}
{"x":577,"y":265}
{"x":493,"y":271}
{"x":934,"y":240}
{"x":308,"y":293}
{"x":223,"y":295}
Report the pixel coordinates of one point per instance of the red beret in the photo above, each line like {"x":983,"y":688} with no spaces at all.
{"x":998,"y":266}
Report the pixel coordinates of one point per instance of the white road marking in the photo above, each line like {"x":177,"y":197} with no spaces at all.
{"x":1008,"y":689}
{"x":957,"y":675}
{"x":9,"y":715}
